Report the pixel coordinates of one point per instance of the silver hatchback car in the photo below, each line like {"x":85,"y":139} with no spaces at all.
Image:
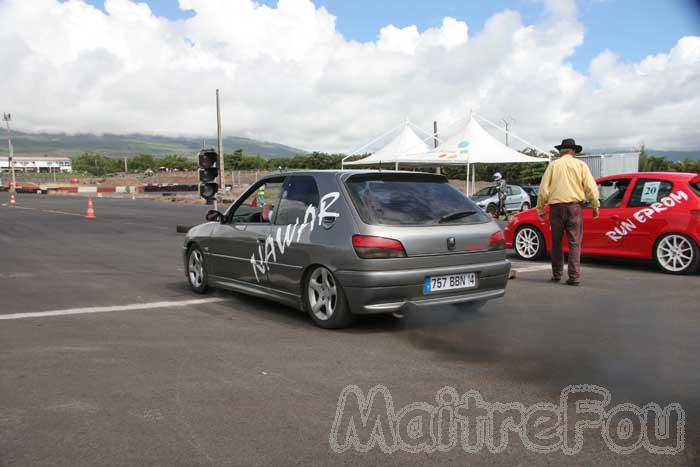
{"x":517,"y":199}
{"x":344,"y":243}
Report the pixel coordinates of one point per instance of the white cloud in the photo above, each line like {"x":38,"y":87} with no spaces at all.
{"x":287,"y":75}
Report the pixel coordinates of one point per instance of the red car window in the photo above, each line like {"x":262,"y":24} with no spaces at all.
{"x":612,"y":192}
{"x":648,"y":191}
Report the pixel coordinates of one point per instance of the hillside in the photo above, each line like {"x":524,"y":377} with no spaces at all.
{"x":113,"y":145}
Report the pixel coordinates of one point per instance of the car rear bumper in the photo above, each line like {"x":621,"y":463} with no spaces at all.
{"x":388,"y":291}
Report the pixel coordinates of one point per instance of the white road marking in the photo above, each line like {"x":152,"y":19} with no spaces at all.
{"x":63,"y":212}
{"x":531,"y":268}
{"x":107,"y":309}
{"x":47,"y":210}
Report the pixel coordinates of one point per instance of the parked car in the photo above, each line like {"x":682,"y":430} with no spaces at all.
{"x":516,"y":199}
{"x":24,"y":187}
{"x":344,"y":243}
{"x":646,"y":216}
{"x":533,"y":192}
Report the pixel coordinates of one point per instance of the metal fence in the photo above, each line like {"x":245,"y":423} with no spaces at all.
{"x":612,"y":164}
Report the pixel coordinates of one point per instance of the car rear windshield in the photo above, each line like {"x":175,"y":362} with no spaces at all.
{"x":695,"y":186}
{"x":408,"y":199}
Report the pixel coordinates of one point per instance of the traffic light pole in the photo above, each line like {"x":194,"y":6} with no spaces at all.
{"x":10,"y":159}
{"x":219,"y":146}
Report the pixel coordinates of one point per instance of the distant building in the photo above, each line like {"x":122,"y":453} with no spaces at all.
{"x":602,"y":165}
{"x":37,"y":164}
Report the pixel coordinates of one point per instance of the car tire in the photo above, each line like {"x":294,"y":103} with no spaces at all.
{"x":676,"y":254}
{"x":324,"y":299}
{"x":528,"y":243}
{"x":525,"y":206}
{"x":196,"y":270}
{"x":491,"y":210}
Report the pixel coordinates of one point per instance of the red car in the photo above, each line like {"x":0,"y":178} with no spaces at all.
{"x":646,"y":215}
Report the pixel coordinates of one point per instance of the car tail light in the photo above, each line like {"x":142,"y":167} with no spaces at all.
{"x":497,"y":241}
{"x":370,"y":247}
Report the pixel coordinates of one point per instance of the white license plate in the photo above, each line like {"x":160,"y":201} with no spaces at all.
{"x":465,"y":280}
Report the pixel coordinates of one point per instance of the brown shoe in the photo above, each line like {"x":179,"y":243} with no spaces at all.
{"x":572,"y":282}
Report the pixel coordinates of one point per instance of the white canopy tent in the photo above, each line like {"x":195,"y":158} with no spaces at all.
{"x":405,"y":145}
{"x":471,"y":145}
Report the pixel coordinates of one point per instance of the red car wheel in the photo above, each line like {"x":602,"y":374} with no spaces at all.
{"x":676,"y":254}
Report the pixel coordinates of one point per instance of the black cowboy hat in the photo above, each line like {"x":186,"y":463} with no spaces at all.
{"x":569,"y":143}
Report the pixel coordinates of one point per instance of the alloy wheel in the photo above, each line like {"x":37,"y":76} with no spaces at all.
{"x":675,"y":253}
{"x":527,"y":243}
{"x":322,"y":293}
{"x":196,"y":268}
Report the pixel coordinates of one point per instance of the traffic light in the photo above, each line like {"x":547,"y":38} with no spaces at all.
{"x":208,"y":173}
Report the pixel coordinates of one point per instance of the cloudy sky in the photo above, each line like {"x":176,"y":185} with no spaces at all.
{"x":331,"y":75}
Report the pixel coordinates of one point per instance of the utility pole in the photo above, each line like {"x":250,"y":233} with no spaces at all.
{"x":507,"y":121}
{"x":435,"y":143}
{"x":220,"y":144}
{"x":435,"y":134}
{"x":126,"y":166}
{"x":7,"y":117}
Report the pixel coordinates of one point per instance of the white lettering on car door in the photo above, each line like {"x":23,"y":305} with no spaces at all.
{"x":645,"y":214}
{"x":261,"y":264}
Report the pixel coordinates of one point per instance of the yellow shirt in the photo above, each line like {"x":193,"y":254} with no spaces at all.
{"x":567,"y":180}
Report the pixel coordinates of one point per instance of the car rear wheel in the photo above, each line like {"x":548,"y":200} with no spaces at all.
{"x":196,"y":272}
{"x":525,"y":206}
{"x":325,"y":300}
{"x":529,"y":243}
{"x":676,"y":254}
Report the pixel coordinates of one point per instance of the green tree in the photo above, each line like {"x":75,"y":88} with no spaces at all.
{"x":174,"y":161}
{"x":233,"y":161}
{"x":143,"y":162}
{"x":95,"y":164}
{"x":650,"y":163}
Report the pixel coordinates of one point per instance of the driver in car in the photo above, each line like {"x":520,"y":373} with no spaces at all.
{"x":267,"y":213}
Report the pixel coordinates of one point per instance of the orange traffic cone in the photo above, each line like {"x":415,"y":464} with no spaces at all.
{"x":90,"y":214}
{"x":12,"y":200}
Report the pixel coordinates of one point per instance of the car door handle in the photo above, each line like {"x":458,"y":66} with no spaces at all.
{"x":615,"y":218}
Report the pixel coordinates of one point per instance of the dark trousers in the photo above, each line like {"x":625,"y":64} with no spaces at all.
{"x":566,"y":217}
{"x":502,"y":208}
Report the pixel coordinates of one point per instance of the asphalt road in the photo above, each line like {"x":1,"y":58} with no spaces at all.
{"x":241,"y":381}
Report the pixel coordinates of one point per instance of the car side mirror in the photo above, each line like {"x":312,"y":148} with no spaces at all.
{"x":214,"y":216}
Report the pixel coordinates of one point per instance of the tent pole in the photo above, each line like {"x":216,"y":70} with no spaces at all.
{"x":397,"y":166}
{"x":467,"y":180}
{"x":473,"y":181}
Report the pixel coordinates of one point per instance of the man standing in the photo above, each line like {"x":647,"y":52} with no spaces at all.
{"x":501,"y":186}
{"x":565,"y":186}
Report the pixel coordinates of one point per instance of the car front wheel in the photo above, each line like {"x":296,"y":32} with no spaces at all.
{"x":529,"y":243}
{"x":676,"y":254}
{"x":196,"y":272}
{"x":325,"y":301}
{"x":525,"y":206}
